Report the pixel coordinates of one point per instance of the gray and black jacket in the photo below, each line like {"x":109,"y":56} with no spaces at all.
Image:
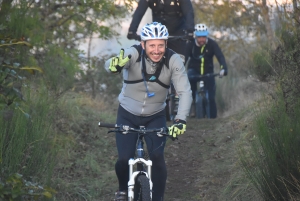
{"x":134,"y":97}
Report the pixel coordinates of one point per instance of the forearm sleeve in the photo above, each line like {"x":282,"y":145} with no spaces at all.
{"x":138,"y":15}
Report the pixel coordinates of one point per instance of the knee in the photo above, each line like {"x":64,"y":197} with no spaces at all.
{"x":212,"y":100}
{"x":158,"y":159}
{"x":190,"y":73}
{"x":123,"y":160}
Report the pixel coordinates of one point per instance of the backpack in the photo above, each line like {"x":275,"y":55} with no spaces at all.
{"x":152,"y":77}
{"x":163,"y":7}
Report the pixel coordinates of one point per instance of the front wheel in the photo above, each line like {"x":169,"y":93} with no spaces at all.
{"x":142,"y":189}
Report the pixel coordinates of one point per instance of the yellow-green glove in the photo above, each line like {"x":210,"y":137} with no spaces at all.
{"x":178,"y":128}
{"x":117,"y":63}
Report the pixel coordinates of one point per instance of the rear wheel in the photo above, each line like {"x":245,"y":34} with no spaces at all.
{"x":142,"y":189}
{"x":168,"y":116}
{"x":200,"y":113}
{"x":206,"y":108}
{"x":173,"y":105}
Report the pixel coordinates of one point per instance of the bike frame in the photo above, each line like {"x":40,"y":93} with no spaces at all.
{"x":140,"y":162}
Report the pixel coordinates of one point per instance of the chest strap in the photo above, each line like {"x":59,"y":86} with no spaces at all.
{"x":150,"y":77}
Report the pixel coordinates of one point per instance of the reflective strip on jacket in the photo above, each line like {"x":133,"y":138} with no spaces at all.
{"x":201,"y":58}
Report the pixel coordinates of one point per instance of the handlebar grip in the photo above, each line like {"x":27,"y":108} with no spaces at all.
{"x":106,"y":125}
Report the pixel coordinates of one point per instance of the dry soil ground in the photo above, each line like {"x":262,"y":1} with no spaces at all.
{"x":202,"y":163}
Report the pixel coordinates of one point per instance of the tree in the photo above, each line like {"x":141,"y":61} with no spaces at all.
{"x":44,"y":36}
{"x":55,"y":30}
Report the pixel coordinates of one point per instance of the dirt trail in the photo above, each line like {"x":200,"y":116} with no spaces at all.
{"x":201,"y":163}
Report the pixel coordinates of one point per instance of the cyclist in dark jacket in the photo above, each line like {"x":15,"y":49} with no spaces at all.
{"x":201,"y":54}
{"x":176,"y":15}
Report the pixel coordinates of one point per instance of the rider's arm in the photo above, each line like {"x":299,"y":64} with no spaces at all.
{"x":188,"y":50}
{"x":129,"y":51}
{"x":182,"y":86}
{"x":188,"y":13}
{"x":138,"y":15}
{"x":220,"y":56}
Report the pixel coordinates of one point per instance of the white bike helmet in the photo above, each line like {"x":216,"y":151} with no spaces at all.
{"x":200,"y":30}
{"x":154,"y":30}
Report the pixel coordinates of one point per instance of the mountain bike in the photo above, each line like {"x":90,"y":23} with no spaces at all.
{"x":173,"y":99}
{"x":202,"y":97}
{"x":172,"y":104}
{"x":139,"y":184}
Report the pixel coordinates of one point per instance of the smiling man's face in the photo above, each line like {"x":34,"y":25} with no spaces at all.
{"x":155,"y":49}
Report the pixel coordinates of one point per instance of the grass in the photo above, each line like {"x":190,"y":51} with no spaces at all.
{"x":86,"y":170}
{"x":86,"y":154}
{"x":26,"y":142}
{"x":235,"y":92}
{"x":272,"y":157}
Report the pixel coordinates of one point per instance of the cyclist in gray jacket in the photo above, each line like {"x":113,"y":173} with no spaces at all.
{"x":148,"y":70}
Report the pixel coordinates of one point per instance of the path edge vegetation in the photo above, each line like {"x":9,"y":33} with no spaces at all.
{"x":270,"y":157}
{"x":39,"y":117}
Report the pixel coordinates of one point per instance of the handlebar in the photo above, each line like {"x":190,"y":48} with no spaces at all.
{"x":127,"y":129}
{"x":106,"y":125}
{"x":138,"y":38}
{"x":206,"y":75}
{"x":178,"y":37}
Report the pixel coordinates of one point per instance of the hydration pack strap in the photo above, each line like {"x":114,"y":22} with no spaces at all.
{"x":153,"y":77}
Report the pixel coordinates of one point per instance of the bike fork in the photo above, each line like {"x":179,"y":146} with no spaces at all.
{"x":134,"y":174}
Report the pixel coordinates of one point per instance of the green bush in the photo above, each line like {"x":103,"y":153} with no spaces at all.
{"x":11,"y":75}
{"x":262,"y":64}
{"x":272,"y":163}
{"x":17,"y":188}
{"x":286,"y":59}
{"x":26,"y":142}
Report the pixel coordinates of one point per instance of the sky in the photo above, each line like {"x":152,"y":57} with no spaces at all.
{"x":100,"y":47}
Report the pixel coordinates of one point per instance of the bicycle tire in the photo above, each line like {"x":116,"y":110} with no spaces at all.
{"x":168,"y":116}
{"x":200,"y":113}
{"x":142,"y":188}
{"x":172,"y":106}
{"x":206,"y":108}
